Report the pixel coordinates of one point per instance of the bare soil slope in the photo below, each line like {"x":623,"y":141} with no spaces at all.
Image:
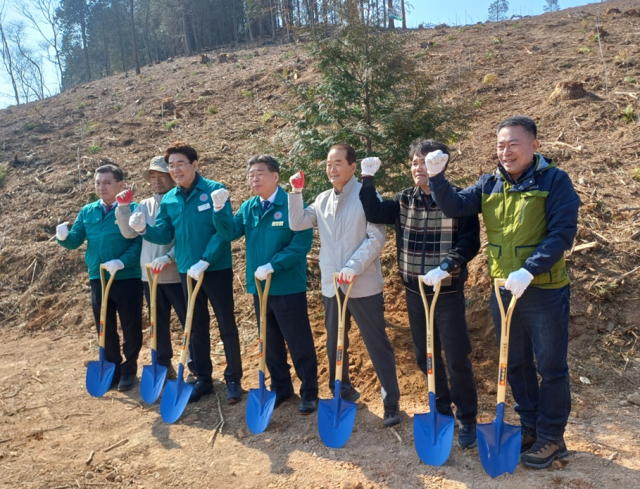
{"x":50,"y":426}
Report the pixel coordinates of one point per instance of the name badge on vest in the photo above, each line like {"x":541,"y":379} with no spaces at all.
{"x":277,"y":224}
{"x":204,"y":207}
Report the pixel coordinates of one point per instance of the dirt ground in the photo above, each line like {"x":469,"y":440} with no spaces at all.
{"x":49,"y":426}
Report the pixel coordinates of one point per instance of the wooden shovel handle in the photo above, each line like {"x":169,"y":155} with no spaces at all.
{"x":429,"y":313}
{"x":103,"y":305}
{"x":192,"y":294}
{"x":505,"y":329}
{"x":342,"y":316}
{"x":153,"y":296}
{"x":263,"y":295}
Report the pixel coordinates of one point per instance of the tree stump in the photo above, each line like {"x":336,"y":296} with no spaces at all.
{"x":204,"y":59}
{"x":222,"y":58}
{"x":569,"y":90}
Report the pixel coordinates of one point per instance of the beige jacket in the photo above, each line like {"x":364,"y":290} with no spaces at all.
{"x":149,"y":207}
{"x":346,"y":238}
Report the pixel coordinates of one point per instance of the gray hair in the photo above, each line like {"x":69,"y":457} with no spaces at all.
{"x":520,"y":120}
{"x":272,"y":164}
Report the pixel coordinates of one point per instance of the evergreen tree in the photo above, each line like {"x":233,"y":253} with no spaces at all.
{"x":498,"y":10}
{"x":551,"y":6}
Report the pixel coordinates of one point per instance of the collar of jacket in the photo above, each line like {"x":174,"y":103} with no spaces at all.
{"x":348,"y":187}
{"x":195,"y":184}
{"x":281,"y":199}
{"x":419,"y":194}
{"x":528,"y":178}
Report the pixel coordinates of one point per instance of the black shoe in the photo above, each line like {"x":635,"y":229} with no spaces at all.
{"x":528,"y":438}
{"x":201,"y":388}
{"x":234,"y":392}
{"x":308,"y":407}
{"x":114,"y":383}
{"x":281,"y":399}
{"x":467,"y":436}
{"x":543,"y":453}
{"x":126,"y":382}
{"x":392,"y":416}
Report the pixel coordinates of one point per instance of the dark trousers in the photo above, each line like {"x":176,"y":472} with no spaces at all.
{"x":369,"y":314}
{"x":167,"y":295}
{"x":452,"y":335}
{"x":288,"y":321}
{"x":539,"y":334}
{"x":125,"y":299}
{"x":217,"y":289}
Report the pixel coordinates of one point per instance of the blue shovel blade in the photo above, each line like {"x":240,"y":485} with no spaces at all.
{"x":99,"y":376}
{"x":152,"y":380}
{"x":433,"y":435}
{"x":336,"y":418}
{"x":260,"y":406}
{"x":175,"y":398}
{"x":499,"y":445}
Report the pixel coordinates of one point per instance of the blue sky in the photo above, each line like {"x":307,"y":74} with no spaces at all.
{"x":451,"y":12}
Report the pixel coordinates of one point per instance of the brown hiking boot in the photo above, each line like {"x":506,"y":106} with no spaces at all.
{"x":529,"y":437}
{"x":171,"y":372}
{"x":543,"y":453}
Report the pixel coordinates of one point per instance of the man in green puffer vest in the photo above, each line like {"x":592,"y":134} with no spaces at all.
{"x":530,"y":211}
{"x":96,"y":223}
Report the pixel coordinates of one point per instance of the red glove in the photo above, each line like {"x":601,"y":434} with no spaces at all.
{"x":297,"y":181}
{"x":125,"y":197}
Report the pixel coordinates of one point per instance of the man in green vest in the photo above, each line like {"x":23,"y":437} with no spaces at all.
{"x":186,"y":216}
{"x":96,"y":223}
{"x":272,"y":248}
{"x":530,"y":211}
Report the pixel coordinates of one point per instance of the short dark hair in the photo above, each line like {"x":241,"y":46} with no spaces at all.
{"x":272,"y":164}
{"x":425,"y":146}
{"x":350,"y":152}
{"x":180,"y":147}
{"x":118,"y":174}
{"x":522,"y":121}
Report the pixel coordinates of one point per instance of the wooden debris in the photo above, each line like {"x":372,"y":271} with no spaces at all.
{"x":116,"y":445}
{"x":393,"y":430}
{"x":585,"y":246}
{"x":625,"y":275}
{"x":88,"y":461}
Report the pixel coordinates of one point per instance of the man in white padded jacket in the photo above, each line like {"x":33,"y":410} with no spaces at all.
{"x":351,"y":246}
{"x":169,"y":291}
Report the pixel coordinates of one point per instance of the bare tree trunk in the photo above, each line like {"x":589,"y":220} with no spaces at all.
{"x":85,"y":47}
{"x":274,"y":27}
{"x":404,"y":15}
{"x":8,"y":62}
{"x":392,"y":24}
{"x":114,"y":6}
{"x":133,"y":39}
{"x":105,"y":45}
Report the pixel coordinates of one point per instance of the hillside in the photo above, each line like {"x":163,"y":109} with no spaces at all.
{"x":48,"y":154}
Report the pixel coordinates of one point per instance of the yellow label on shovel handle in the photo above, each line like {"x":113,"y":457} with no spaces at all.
{"x":503,"y":374}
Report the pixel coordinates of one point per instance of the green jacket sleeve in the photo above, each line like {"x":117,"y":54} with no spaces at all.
{"x":77,"y":234}
{"x":218,"y":244}
{"x":131,"y":257}
{"x":290,"y":255}
{"x":163,"y":231}
{"x":230,"y":228}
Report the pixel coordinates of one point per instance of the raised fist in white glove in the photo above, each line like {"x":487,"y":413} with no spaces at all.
{"x":518,"y":281}
{"x":62,"y":231}
{"x":346,"y":275}
{"x":197,"y":269}
{"x":113,"y":266}
{"x":435,"y":161}
{"x":263,"y":271}
{"x":137,"y":222}
{"x":159,"y":263}
{"x":219,"y":198}
{"x":434,"y":276}
{"x":369,"y":166}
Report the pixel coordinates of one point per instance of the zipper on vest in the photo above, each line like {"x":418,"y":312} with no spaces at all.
{"x":526,"y":200}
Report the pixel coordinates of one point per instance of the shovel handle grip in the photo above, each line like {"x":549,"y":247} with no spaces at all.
{"x":153,"y":296}
{"x":263,"y":295}
{"x":430,"y":317}
{"x":505,"y":329}
{"x":342,"y":316}
{"x":103,"y":304}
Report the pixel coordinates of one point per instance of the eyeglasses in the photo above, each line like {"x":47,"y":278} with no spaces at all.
{"x":176,"y":166}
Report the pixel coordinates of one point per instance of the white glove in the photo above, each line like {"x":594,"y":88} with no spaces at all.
{"x":159,"y":263}
{"x":346,"y":275}
{"x":263,"y":271}
{"x":518,"y":281}
{"x":434,"y":276}
{"x":435,"y":161}
{"x":62,"y":231}
{"x":219,"y":198}
{"x":369,"y":166}
{"x":137,"y":222}
{"x":113,"y":266}
{"x":197,"y":269}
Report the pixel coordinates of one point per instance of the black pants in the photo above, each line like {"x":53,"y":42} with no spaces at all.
{"x":217,"y":289}
{"x":167,"y":295}
{"x":125,"y":299}
{"x":288,"y":321}
{"x":452,"y":335}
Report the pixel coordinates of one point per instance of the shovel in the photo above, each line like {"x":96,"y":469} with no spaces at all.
{"x":432,"y":431}
{"x":499,"y":442}
{"x":261,"y":402}
{"x":177,"y":392}
{"x":337,"y":416}
{"x":100,"y":373}
{"x":154,"y":375}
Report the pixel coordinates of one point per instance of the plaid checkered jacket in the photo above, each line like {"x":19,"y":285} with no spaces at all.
{"x":425,"y":237}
